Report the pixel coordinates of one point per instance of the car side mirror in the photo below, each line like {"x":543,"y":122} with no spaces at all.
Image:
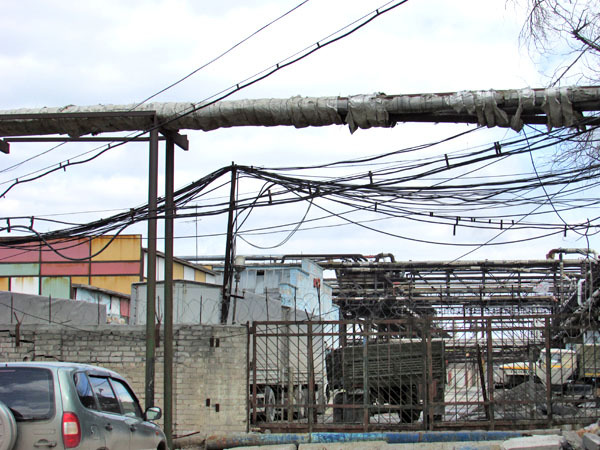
{"x":153,"y":413}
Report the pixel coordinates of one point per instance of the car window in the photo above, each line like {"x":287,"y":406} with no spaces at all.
{"x":28,"y":392}
{"x":129,"y":403}
{"x":106,"y":396}
{"x":84,"y":390}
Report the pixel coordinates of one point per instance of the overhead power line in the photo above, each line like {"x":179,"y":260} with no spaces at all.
{"x":221,"y":55}
{"x":390,"y":192}
{"x":215,"y":98}
{"x":179,"y":81}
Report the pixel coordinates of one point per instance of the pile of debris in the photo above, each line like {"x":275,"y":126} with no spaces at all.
{"x":528,"y":401}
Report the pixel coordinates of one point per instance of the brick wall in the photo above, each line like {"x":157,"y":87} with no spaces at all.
{"x":209,"y":366}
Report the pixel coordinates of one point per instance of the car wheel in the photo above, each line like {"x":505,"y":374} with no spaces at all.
{"x":8,"y":428}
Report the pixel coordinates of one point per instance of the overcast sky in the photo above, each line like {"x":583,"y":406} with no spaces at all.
{"x":57,"y":53}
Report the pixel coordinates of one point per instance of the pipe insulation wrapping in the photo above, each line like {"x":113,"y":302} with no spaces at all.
{"x":558,"y":107}
{"x":299,"y":112}
{"x":366,"y":111}
{"x":555,"y":103}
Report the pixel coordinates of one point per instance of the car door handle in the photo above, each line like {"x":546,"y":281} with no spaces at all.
{"x":108,"y":426}
{"x":45,"y":443}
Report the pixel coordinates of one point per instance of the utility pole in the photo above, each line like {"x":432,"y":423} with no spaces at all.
{"x":168,"y":285}
{"x":229,"y":250}
{"x":151,"y":268}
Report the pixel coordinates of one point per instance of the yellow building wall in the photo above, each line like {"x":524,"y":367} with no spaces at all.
{"x":4,"y":284}
{"x":80,"y":280}
{"x":115,"y":283}
{"x":200,"y":276}
{"x":123,"y":248}
{"x":177,"y":271}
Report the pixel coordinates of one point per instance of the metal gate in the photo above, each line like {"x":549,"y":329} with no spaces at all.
{"x":422,"y":374}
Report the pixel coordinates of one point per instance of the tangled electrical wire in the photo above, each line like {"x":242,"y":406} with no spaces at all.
{"x":439,"y":189}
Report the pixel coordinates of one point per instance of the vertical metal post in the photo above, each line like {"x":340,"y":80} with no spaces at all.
{"x":248,"y":377}
{"x":343,"y":329}
{"x":169,"y":219}
{"x":423,"y":388}
{"x":431,"y":385}
{"x":311,"y":379}
{"x":531,"y":382}
{"x":548,"y":369}
{"x":151,"y":268}
{"x":254,"y":363}
{"x":490,"y":371}
{"x":365,"y":380}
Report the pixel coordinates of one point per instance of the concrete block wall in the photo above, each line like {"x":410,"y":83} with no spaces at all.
{"x":209,"y":366}
{"x":30,"y":309}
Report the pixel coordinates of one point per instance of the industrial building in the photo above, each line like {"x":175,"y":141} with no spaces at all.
{"x":100,"y":270}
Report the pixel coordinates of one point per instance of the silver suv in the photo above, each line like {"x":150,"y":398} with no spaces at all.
{"x":66,"y":405}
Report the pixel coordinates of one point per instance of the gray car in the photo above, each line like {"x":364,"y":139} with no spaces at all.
{"x":67,"y":405}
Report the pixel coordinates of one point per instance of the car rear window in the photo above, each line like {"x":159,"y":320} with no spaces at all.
{"x":28,"y":392}
{"x":106,"y":396}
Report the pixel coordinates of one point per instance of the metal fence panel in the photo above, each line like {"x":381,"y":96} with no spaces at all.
{"x":423,"y":374}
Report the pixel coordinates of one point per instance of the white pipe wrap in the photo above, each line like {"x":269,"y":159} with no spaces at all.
{"x":505,"y":108}
{"x":366,"y":111}
{"x":558,"y":108}
{"x":299,"y":112}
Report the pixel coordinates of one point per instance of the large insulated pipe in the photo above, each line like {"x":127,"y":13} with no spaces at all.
{"x":582,"y":251}
{"x":556,"y":107}
{"x":580,"y":291}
